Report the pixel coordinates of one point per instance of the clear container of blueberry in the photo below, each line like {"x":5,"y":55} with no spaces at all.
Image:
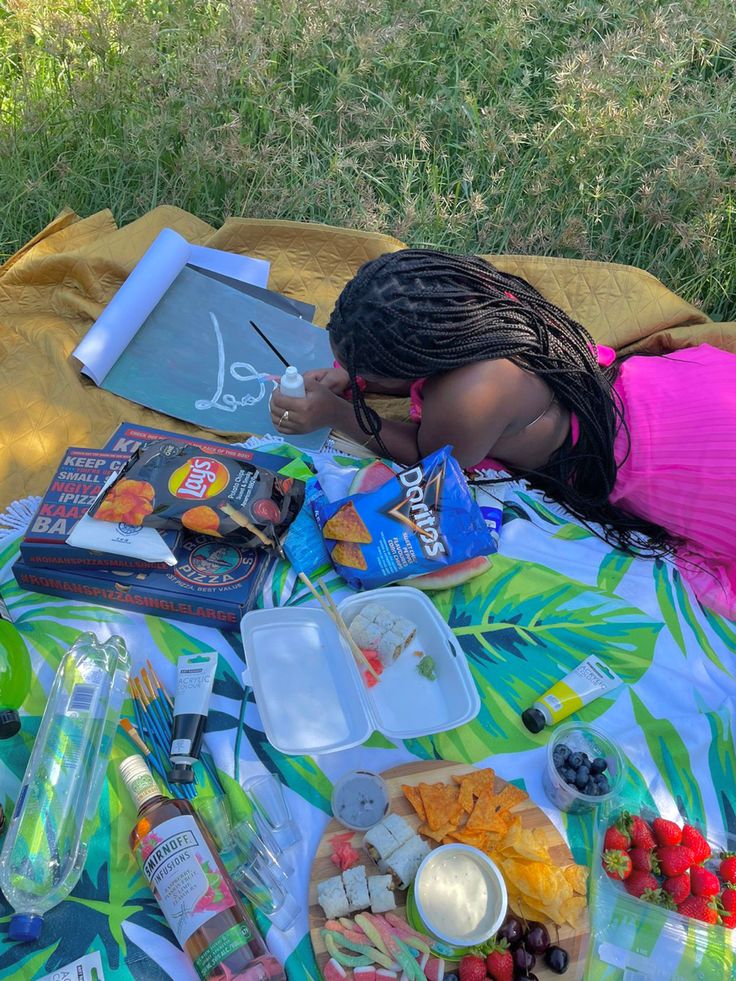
{"x":584,"y":768}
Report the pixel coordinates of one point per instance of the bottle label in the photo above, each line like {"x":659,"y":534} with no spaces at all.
{"x":225,"y":945}
{"x":183,"y":875}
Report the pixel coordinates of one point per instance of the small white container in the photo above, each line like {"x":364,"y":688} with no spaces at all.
{"x":310,"y":692}
{"x":360,"y":800}
{"x":292,"y":384}
{"x":460,"y":895}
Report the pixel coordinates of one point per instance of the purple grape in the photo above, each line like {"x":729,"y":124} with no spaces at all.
{"x":537,"y":937}
{"x":524,"y":960}
{"x":511,"y":930}
{"x":556,"y":959}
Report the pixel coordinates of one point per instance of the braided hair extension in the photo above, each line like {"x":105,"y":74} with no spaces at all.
{"x":418,"y":312}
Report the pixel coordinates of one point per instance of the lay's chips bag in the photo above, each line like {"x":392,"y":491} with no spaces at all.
{"x":419,"y":521}
{"x":168,"y":484}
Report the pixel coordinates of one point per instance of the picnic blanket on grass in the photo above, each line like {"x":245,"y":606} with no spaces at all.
{"x":554,"y":595}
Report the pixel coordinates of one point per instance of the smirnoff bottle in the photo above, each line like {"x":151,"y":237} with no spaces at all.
{"x":197,"y":897}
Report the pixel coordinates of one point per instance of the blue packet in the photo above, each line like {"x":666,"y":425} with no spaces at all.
{"x":421,"y":520}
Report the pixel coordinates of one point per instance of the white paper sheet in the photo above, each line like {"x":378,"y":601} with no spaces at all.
{"x":118,"y":323}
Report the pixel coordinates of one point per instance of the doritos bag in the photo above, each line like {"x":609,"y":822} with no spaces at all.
{"x":172,"y":485}
{"x":421,"y":520}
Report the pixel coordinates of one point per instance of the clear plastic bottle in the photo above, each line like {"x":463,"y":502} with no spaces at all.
{"x":46,"y":845}
{"x":188,"y":878}
{"x":292,"y":384}
{"x":15,"y":678}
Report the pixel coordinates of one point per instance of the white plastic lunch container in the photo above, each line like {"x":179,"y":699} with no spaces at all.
{"x":310,"y":692}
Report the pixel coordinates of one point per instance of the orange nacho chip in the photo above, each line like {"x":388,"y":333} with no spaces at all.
{"x":440,"y":804}
{"x":486,"y":815}
{"x":415,"y":799}
{"x":346,"y":525}
{"x":436,"y":834}
{"x":350,"y":555}
{"x":478,"y":780}
{"x":510,"y":796}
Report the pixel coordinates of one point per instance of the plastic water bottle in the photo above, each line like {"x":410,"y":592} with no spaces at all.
{"x":46,"y":845}
{"x":292,"y":384}
{"x":15,"y":678}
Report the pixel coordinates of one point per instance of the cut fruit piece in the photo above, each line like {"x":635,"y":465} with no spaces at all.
{"x":370,"y":478}
{"x":332,"y":971}
{"x":450,"y":575}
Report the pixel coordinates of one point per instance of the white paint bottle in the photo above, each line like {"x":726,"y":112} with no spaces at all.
{"x":292,"y":384}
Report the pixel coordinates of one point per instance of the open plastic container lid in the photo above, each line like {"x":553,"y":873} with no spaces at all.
{"x":309,"y":690}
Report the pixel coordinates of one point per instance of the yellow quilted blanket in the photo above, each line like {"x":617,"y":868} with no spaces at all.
{"x":55,"y":287}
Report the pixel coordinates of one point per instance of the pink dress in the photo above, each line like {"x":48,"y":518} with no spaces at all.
{"x":680,"y":472}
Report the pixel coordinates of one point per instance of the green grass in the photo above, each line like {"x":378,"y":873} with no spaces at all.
{"x":585,"y":129}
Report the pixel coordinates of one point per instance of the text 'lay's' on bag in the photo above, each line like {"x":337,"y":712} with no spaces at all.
{"x":421,"y":520}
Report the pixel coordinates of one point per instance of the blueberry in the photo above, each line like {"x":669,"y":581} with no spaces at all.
{"x":591,"y":788}
{"x":568,"y":775}
{"x":560,"y":754}
{"x":451,"y":977}
{"x":575,"y":760}
{"x":598,"y":765}
{"x":583,"y":775}
{"x":586,"y":760}
{"x":603,"y":786}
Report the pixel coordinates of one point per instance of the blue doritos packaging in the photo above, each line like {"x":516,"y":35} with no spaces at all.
{"x":419,"y":521}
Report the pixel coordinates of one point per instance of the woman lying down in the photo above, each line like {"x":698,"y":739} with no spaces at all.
{"x":645,"y":446}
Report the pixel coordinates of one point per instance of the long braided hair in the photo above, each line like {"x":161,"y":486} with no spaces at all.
{"x":418,"y":312}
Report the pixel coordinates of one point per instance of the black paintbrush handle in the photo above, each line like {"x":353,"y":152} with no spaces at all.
{"x":275,"y":350}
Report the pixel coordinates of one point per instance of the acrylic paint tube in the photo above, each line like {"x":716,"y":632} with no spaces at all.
{"x":195,"y":675}
{"x":590,"y":679}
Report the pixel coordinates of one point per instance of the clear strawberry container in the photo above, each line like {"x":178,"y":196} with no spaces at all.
{"x":645,"y":941}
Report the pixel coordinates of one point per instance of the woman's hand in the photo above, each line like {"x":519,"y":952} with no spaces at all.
{"x":321,"y":407}
{"x":336,"y":379}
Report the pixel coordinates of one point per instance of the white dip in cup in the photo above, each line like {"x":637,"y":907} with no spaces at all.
{"x":460,"y":895}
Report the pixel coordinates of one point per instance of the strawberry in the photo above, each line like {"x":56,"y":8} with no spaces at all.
{"x":666,"y":832}
{"x":703,"y":882}
{"x":727,"y":902}
{"x":692,"y":838}
{"x":674,"y":860}
{"x":643,"y":885}
{"x":472,"y":968}
{"x":500,"y":963}
{"x":727,"y":867}
{"x":678,"y":887}
{"x":616,"y":864}
{"x":643,"y":860}
{"x":616,"y":840}
{"x":699,"y":908}
{"x":639,"y":831}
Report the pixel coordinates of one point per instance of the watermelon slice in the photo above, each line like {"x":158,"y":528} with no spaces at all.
{"x":370,"y":478}
{"x":332,"y":971}
{"x":450,"y":575}
{"x":435,"y":969}
{"x":365,"y":973}
{"x":382,"y":974}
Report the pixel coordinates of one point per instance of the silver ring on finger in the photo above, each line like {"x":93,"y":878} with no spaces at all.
{"x":284,"y":418}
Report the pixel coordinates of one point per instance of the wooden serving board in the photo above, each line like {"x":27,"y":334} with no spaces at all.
{"x":432,"y":771}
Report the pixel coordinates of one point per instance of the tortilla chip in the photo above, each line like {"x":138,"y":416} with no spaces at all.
{"x":478,"y":780}
{"x":466,"y":798}
{"x":436,"y":834}
{"x":350,"y":555}
{"x":346,"y":525}
{"x":577,"y":876}
{"x":510,"y":796}
{"x":486,"y":816}
{"x":415,"y":799}
{"x":573,"y":910}
{"x":477,"y":839}
{"x":440,"y":804}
